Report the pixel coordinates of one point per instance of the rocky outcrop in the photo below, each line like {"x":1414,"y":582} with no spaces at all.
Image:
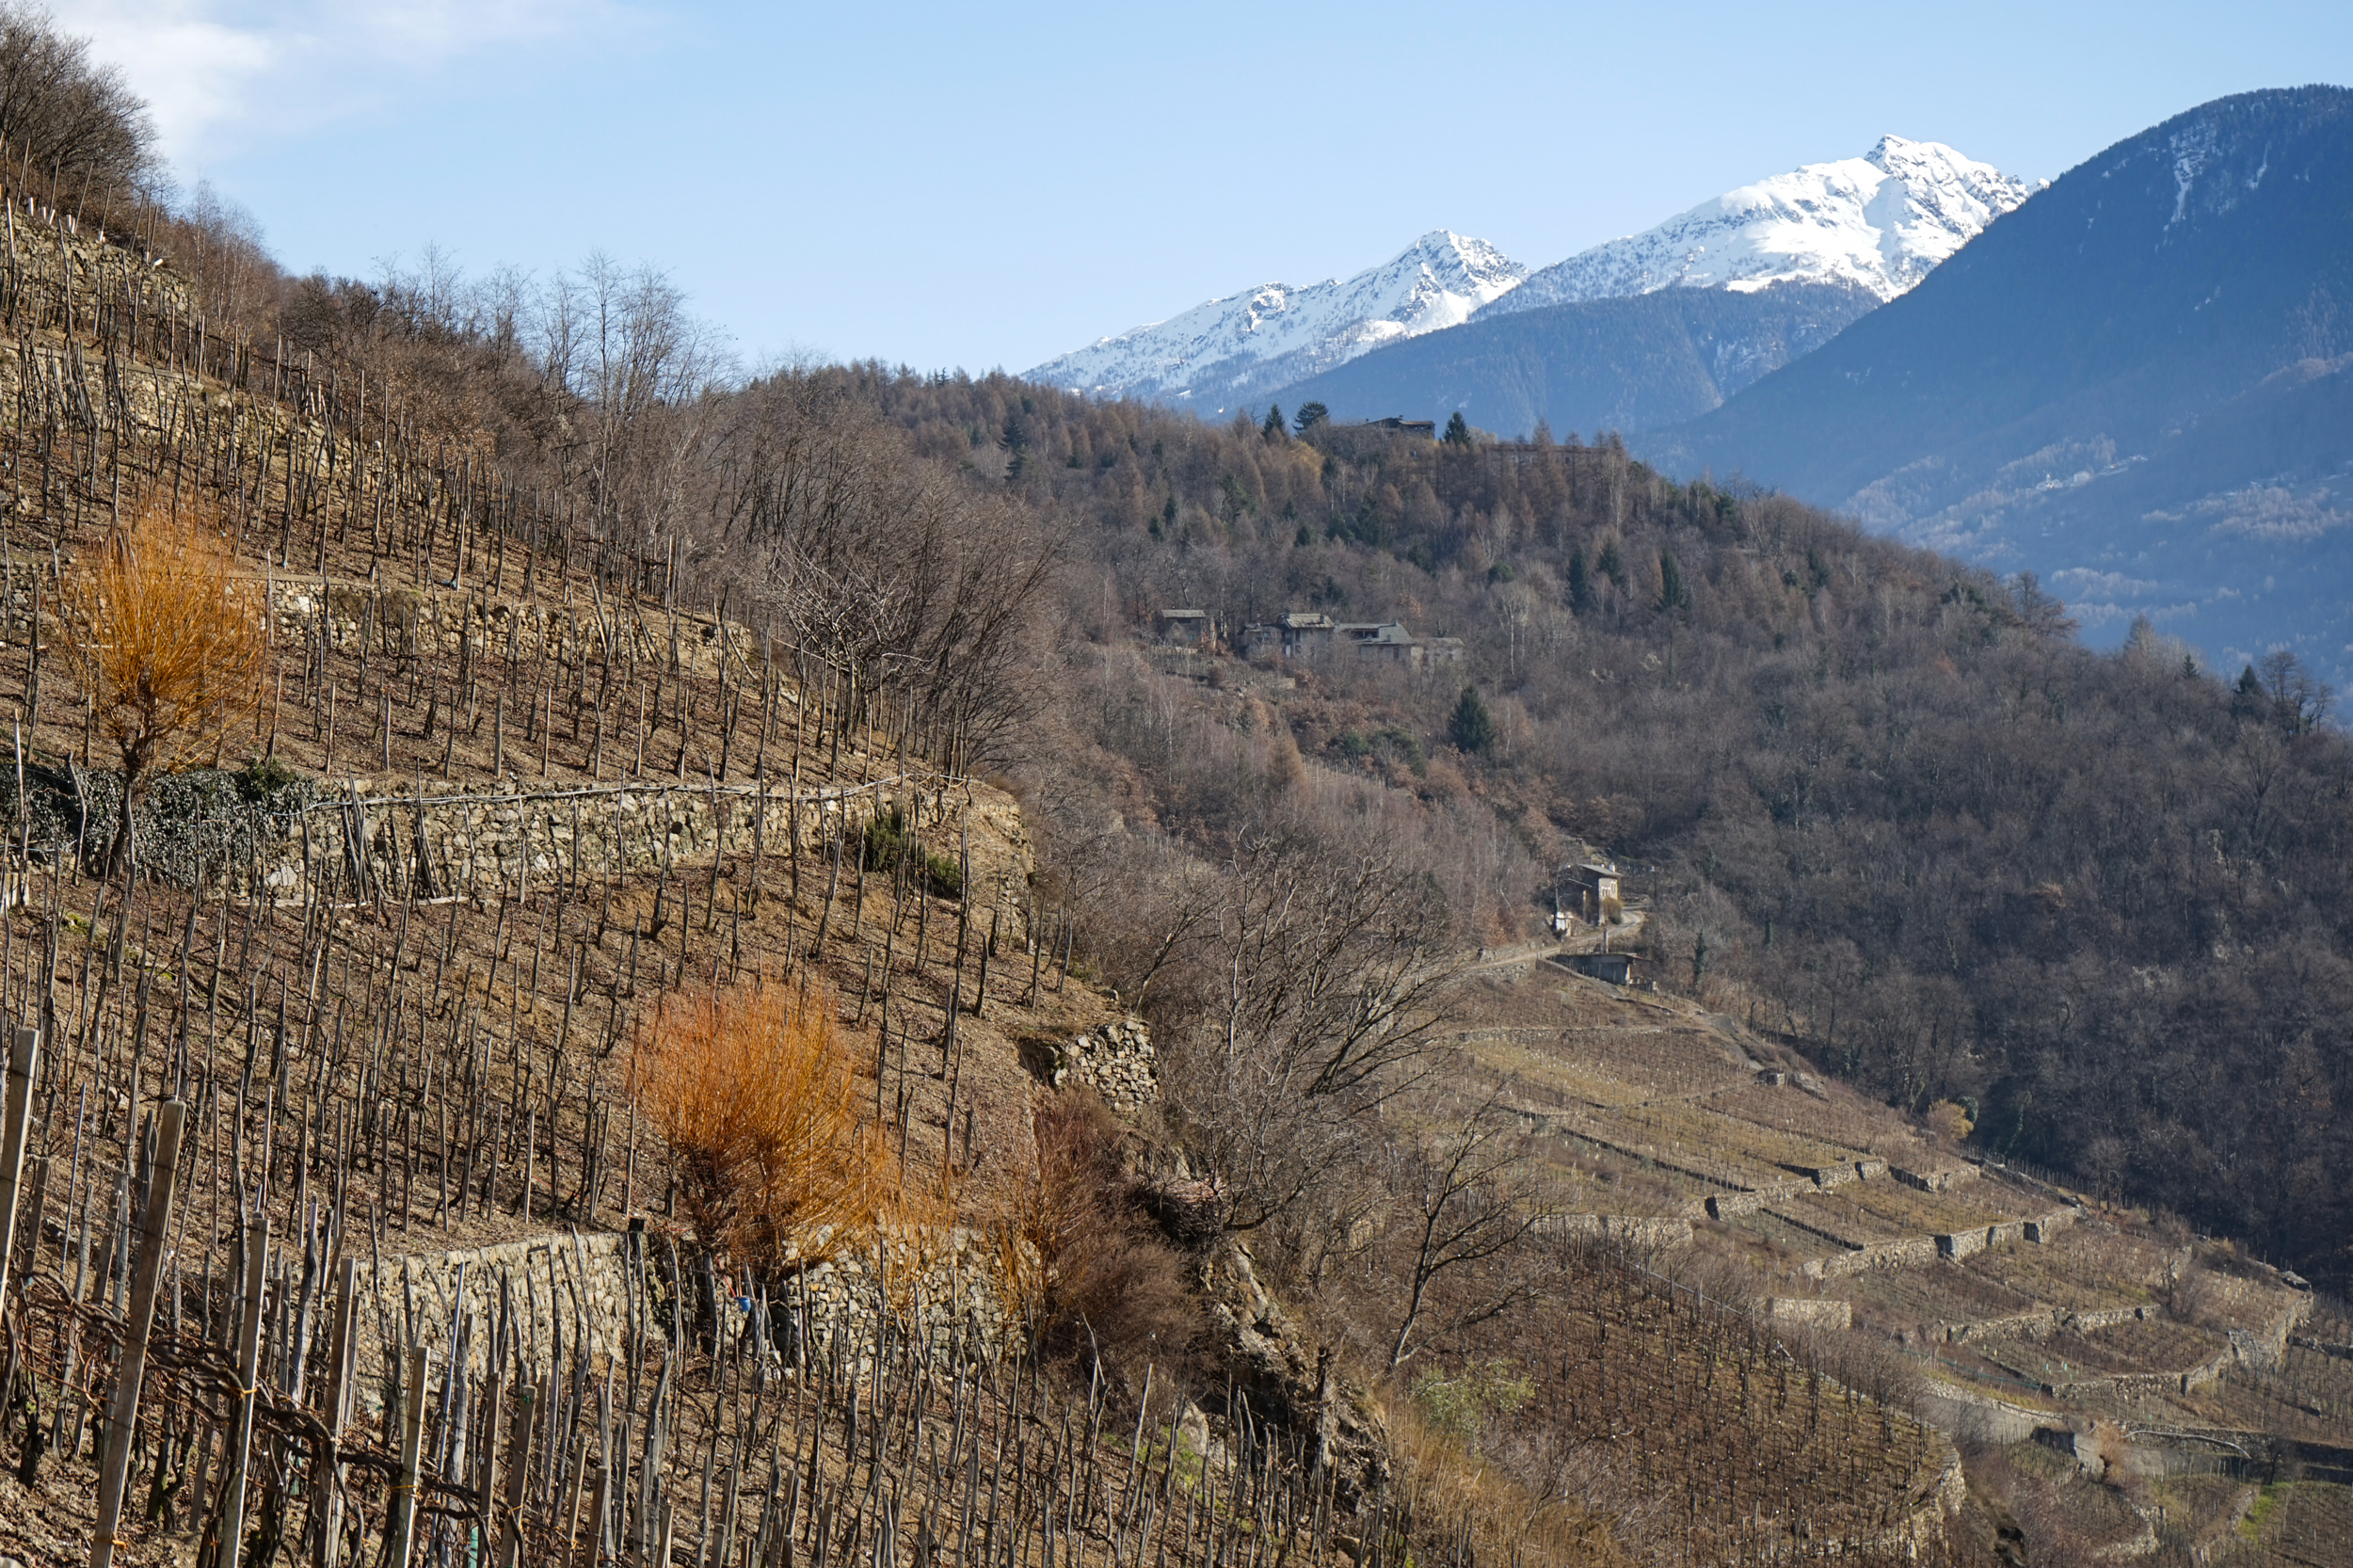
{"x":1281,"y":1382}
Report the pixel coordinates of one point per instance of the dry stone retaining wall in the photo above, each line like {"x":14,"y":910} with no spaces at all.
{"x":1958,"y":1244}
{"x":1907,"y":1252}
{"x":1638,"y":1230}
{"x":2037,"y":1324}
{"x":590,"y":1293}
{"x":392,"y":621}
{"x":1940,"y":1180}
{"x":400,"y":840}
{"x":2049,"y":1225}
{"x":1812,"y":1311}
{"x":1117,"y":1062}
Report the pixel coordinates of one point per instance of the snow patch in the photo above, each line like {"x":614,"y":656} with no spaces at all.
{"x":2193,"y":147}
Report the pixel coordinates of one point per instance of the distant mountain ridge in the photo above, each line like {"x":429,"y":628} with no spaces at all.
{"x":1865,"y":227}
{"x":1603,"y":365}
{"x":1228,"y":350}
{"x":1879,"y":222}
{"x":2138,"y":385}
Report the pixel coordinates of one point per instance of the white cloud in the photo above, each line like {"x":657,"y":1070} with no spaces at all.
{"x":2086,"y":579}
{"x":218,"y":75}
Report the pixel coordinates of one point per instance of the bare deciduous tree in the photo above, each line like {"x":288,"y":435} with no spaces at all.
{"x":1470,"y":1198}
{"x":1311,"y":995}
{"x":76,"y":123}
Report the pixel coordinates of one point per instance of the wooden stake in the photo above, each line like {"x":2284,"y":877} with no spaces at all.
{"x":161,"y":1184}
{"x":401,"y":1528}
{"x":249,"y":1371}
{"x":23,"y":1061}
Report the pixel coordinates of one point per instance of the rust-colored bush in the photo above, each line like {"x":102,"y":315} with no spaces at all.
{"x":759,"y":1103}
{"x":168,"y":642}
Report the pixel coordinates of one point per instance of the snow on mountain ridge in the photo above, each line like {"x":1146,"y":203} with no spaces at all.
{"x":1880,"y":222}
{"x":1225,"y":349}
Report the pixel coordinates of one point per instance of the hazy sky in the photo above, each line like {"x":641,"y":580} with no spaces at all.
{"x":988,"y":184}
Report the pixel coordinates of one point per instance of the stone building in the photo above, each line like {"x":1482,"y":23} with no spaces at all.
{"x":1300,"y":634}
{"x":1381,"y":640}
{"x":1190,"y":628}
{"x":1590,"y":891}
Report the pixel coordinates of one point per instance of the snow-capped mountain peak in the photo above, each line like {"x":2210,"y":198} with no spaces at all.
{"x":1220,"y":353}
{"x":1880,"y":222}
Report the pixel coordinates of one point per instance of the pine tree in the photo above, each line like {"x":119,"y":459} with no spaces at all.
{"x":1273,"y":429}
{"x":1456,"y":430}
{"x":1611,"y":564}
{"x":1310,"y":415}
{"x":1580,"y":580}
{"x":1017,"y":440}
{"x":1471,"y":728}
{"x":1674,"y":592}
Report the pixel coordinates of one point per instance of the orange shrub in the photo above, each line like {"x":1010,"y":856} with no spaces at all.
{"x":759,"y":1103}
{"x":168,"y":642}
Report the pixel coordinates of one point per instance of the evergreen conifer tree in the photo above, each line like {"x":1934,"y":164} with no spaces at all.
{"x":1674,"y":592}
{"x":1310,"y":415}
{"x":1611,"y":564}
{"x":1273,"y":429}
{"x":1458,"y":430}
{"x":1471,"y":728}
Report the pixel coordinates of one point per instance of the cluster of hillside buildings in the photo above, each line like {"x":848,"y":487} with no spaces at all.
{"x":1311,"y":634}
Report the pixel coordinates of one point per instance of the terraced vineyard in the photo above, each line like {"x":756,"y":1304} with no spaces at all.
{"x":2047,"y":1326}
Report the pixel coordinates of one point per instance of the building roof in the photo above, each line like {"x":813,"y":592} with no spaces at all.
{"x":1184,"y":614}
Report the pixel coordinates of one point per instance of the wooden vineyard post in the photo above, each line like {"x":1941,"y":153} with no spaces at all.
{"x":124,"y":1406}
{"x":401,"y":1530}
{"x":23,"y":1057}
{"x":340,"y":1365}
{"x":249,"y":1371}
{"x":517,"y":1472}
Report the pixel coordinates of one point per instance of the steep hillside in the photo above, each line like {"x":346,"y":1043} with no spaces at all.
{"x":2028,"y":1321}
{"x":1891,"y":792}
{"x":2129,"y":387}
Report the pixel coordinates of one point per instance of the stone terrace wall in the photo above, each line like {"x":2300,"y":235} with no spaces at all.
{"x":399,"y":839}
{"x":391,"y":621}
{"x":1117,"y":1062}
{"x":568,"y":1293}
{"x":466,"y":843}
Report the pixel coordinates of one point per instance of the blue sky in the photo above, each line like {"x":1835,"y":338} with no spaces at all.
{"x":987,"y":185}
